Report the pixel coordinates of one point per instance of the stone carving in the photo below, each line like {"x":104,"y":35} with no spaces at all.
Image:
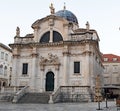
{"x":87,"y":26}
{"x":51,"y":22}
{"x":52,"y":9}
{"x":18,"y":31}
{"x":51,"y":59}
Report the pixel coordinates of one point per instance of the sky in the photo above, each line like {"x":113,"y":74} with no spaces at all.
{"x":102,"y":15}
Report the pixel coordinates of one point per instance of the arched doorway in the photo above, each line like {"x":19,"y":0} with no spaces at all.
{"x":49,"y":85}
{"x":4,"y":84}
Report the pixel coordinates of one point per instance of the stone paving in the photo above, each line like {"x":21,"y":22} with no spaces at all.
{"x":58,"y":107}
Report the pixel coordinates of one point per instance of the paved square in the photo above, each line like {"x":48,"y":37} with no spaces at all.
{"x":57,"y":107}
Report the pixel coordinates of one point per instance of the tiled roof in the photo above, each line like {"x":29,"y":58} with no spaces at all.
{"x":110,"y":58}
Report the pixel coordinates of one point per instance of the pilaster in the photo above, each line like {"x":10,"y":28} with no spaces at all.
{"x":65,"y":63}
{"x":87,"y":70}
{"x":41,"y":81}
{"x":15,"y":64}
{"x":56,"y":78}
{"x":36,"y":29}
{"x":34,"y":69}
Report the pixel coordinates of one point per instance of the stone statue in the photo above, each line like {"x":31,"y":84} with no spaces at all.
{"x":18,"y":31}
{"x":64,"y":6}
{"x":87,"y":25}
{"x":52,"y":9}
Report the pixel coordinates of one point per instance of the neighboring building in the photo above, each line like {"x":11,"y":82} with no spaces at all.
{"x":111,"y":74}
{"x":5,"y":65}
{"x":58,"y":53}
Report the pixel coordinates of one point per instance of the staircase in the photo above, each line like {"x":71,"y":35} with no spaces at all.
{"x":6,"y":97}
{"x":35,"y":98}
{"x":7,"y":93}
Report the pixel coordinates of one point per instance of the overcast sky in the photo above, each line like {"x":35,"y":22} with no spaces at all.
{"x":103,"y":16}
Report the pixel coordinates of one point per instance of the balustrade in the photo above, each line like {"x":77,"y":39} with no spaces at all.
{"x":72,"y":94}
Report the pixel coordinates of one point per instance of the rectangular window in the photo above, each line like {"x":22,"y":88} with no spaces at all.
{"x":115,"y":68}
{"x":6,"y":57}
{"x":106,"y":80}
{"x":25,"y":68}
{"x":2,"y":55}
{"x":106,"y":69}
{"x":76,"y":67}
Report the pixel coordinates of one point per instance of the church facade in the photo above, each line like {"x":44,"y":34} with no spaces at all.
{"x":58,"y":53}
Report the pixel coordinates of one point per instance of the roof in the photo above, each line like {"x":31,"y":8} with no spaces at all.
{"x":5,"y":47}
{"x":110,"y":58}
{"x":67,"y":15}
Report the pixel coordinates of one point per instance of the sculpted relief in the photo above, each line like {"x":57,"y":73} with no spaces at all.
{"x":50,"y":60}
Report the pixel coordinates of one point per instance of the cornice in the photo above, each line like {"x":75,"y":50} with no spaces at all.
{"x":66,"y":53}
{"x":51,"y":44}
{"x":16,"y":55}
{"x":34,"y":55}
{"x":87,"y":52}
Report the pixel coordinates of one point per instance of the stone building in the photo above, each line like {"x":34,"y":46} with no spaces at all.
{"x":58,"y":54}
{"x":111,"y":74}
{"x":5,"y":65}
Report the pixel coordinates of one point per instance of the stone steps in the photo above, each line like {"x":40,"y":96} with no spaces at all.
{"x":35,"y":98}
{"x":6,"y":97}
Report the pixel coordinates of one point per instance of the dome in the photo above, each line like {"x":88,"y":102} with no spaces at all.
{"x":67,"y":15}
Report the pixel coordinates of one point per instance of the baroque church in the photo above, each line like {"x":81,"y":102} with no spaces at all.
{"x":59,"y":54}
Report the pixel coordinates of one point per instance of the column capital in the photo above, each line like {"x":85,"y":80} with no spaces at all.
{"x":34,"y":55}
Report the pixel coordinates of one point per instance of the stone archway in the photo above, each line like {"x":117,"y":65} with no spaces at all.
{"x":49,"y":84}
{"x":4,"y":84}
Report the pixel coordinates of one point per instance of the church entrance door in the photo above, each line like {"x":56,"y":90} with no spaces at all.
{"x":49,"y":85}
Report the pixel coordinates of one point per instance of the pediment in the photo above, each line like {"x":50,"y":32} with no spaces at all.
{"x":49,"y":18}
